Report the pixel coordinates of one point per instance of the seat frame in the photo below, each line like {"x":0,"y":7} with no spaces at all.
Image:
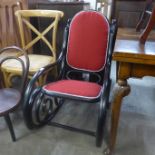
{"x":34,"y":95}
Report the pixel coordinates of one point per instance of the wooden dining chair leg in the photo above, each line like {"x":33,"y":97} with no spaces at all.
{"x":149,"y":27}
{"x":144,"y":15}
{"x":141,"y":21}
{"x":9,"y":123}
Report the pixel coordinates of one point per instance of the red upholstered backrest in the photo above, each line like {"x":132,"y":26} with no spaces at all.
{"x":88,"y":41}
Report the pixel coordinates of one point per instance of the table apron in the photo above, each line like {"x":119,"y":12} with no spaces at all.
{"x":127,"y":70}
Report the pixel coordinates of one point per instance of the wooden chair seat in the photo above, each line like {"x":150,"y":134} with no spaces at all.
{"x":9,"y":100}
{"x":36,"y":62}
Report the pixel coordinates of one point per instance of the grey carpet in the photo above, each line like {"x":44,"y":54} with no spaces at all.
{"x":135,"y":133}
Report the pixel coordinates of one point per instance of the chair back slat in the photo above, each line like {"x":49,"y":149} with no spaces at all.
{"x":8,"y":27}
{"x":24,"y":21}
{"x":88,"y":41}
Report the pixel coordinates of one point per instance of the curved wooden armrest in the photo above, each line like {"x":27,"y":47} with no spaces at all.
{"x":46,"y":69}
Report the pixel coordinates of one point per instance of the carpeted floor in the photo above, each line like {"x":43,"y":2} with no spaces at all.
{"x":137,"y":126}
{"x":135,"y":134}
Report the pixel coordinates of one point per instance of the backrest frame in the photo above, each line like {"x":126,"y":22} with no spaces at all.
{"x":23,"y":17}
{"x":94,"y":76}
{"x":93,"y":26}
{"x":25,"y":64}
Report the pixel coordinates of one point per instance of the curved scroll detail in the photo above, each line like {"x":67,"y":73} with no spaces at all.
{"x":38,"y":109}
{"x":42,"y":109}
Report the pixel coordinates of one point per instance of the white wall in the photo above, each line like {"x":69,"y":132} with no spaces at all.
{"x":106,"y":10}
{"x":92,"y":3}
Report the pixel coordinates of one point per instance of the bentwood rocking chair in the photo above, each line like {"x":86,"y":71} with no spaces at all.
{"x":84,"y":73}
{"x":11,"y":69}
{"x":10,"y":98}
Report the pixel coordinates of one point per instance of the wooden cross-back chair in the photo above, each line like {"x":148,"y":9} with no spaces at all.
{"x":84,"y":74}
{"x":9,"y":34}
{"x":10,"y":98}
{"x":37,"y":61}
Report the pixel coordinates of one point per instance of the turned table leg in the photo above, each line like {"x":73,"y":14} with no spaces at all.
{"x":121,"y":89}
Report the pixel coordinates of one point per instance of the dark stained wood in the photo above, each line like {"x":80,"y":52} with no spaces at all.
{"x":128,"y":12}
{"x":148,"y":6}
{"x":133,"y":60}
{"x":9,"y":100}
{"x":131,"y":34}
{"x":9,"y":123}
{"x":150,"y":25}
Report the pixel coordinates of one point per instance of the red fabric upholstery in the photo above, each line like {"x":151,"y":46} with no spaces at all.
{"x":88,"y":37}
{"x":74,"y":88}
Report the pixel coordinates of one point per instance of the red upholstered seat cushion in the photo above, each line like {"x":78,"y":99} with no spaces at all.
{"x":74,"y":88}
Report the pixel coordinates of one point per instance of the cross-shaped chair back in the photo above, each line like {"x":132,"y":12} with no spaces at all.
{"x":23,"y":18}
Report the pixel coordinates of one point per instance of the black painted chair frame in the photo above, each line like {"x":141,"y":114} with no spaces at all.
{"x":33,"y":92}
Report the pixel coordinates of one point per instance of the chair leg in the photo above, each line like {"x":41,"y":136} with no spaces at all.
{"x":108,"y":104}
{"x":149,"y":27}
{"x":9,"y":123}
{"x":144,"y":15}
{"x":100,"y":123}
{"x":141,"y":21}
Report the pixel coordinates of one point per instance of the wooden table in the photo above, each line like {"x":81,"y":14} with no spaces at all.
{"x":133,"y":60}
